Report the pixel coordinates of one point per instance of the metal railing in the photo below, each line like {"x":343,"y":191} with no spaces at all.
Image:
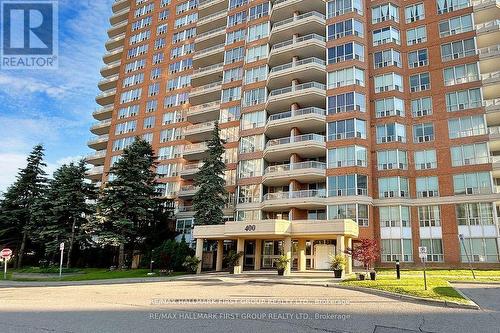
{"x":295,"y":195}
{"x":297,"y":18}
{"x":295,"y":166}
{"x":298,"y":40}
{"x":210,"y":49}
{"x":296,"y":113}
{"x":206,"y":87}
{"x":306,"y":61}
{"x":203,"y":107}
{"x":208,"y":33}
{"x":299,"y":138}
{"x":303,"y":86}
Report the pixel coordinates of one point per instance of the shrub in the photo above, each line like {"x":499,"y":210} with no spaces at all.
{"x":171,"y":255}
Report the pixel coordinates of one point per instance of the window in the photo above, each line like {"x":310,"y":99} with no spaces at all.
{"x":131,"y":95}
{"x":466,"y":126}
{"x":446,"y":6}
{"x":472,"y":183}
{"x":155,"y":73}
{"x":391,"y":132}
{"x":351,"y":101}
{"x":167,"y":170}
{"x":345,"y":77}
{"x":123,"y":143}
{"x":429,"y":216}
{"x":170,"y":134}
{"x":256,"y":53}
{"x":232,"y":74}
{"x":235,"y":36}
{"x":250,"y":144}
{"x":385,"y":12}
{"x":386,"y":35}
{"x":392,"y":159}
{"x":154,"y":89}
{"x":463,"y":99}
{"x":230,"y":114}
{"x":172,"y":117}
{"x":129,"y":111}
{"x":258,"y":31}
{"x":416,"y":35}
{"x":393,"y":187}
{"x":425,"y":159}
{"x":480,"y":250}
{"x":234,"y":55}
{"x":237,"y":3}
{"x":149,"y":122}
{"x":396,"y":249}
{"x":434,"y":249}
{"x":394,"y":216}
{"x":258,"y":11}
{"x":418,"y":58}
{"x":236,"y":19}
{"x":346,"y":185}
{"x":472,"y":154}
{"x":126,"y":127}
{"x":340,"y":7}
{"x":456,"y":25}
{"x":458,"y":49}
{"x":346,"y":52}
{"x":387,"y":58}
{"x":480,"y":213}
{"x":347,"y":129}
{"x":347,"y":156}
{"x":250,"y":168}
{"x":388,"y":107}
{"x":255,"y":97}
{"x":345,"y":28}
{"x":248,"y":215}
{"x":249,"y":193}
{"x":423,"y":132}
{"x":388,"y":82}
{"x":253,"y":120}
{"x":415,"y":12}
{"x":421,"y":107}
{"x":231,"y":94}
{"x":356,"y":212}
{"x":256,"y":74}
{"x":461,"y":74}
{"x":427,"y":187}
{"x":170,"y":152}
{"x":151,"y":105}
{"x":420,"y":82}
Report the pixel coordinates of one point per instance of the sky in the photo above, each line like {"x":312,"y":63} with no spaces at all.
{"x":54,"y":107}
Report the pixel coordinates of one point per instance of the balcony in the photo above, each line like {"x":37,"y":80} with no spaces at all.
{"x":101,"y":127}
{"x":306,"y":146}
{"x":308,"y":199}
{"x":115,"y":42}
{"x":106,"y":97}
{"x":209,"y":56}
{"x":486,"y":10}
{"x":111,"y":69}
{"x":195,"y":151}
{"x":199,"y":132}
{"x":495,"y":164}
{"x":307,"y":94}
{"x":311,"y":22}
{"x":113,"y":55}
{"x":308,"y":120}
{"x":117,"y":29}
{"x":119,"y":16}
{"x":211,"y":21}
{"x":108,"y":82}
{"x":494,"y":133}
{"x":491,"y":85}
{"x":492,"y":108}
{"x":190,"y":170}
{"x":206,"y":75}
{"x":488,"y":33}
{"x":286,"y":8}
{"x":119,"y":5}
{"x":308,"y":70}
{"x":97,"y":158}
{"x":95,"y":173}
{"x":203,"y":112}
{"x":99,"y":143}
{"x":210,"y":38}
{"x":103,"y":113}
{"x":304,"y":172}
{"x":312,"y":45}
{"x":209,"y":7}
{"x":206,"y":93}
{"x":488,"y":58}
{"x":187,"y":191}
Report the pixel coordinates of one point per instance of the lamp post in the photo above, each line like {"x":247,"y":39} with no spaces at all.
{"x":398,"y":272}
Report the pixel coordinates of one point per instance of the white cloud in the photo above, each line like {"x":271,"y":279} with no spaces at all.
{"x":9,"y":166}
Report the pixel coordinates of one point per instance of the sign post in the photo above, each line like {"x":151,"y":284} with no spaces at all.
{"x":422,"y":253}
{"x":461,"y":238}
{"x":61,"y":247}
{"x":5,"y":254}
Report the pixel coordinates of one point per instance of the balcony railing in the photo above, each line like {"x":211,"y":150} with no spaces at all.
{"x":491,"y":75}
{"x":97,"y":154}
{"x":208,"y":68}
{"x":200,"y":127}
{"x":195,"y":147}
{"x":98,"y":170}
{"x":211,"y":17}
{"x":491,"y":102}
{"x":98,"y":139}
{"x":299,"y":138}
{"x":298,"y":40}
{"x":192,"y":166}
{"x":297,"y":18}
{"x":295,"y":166}
{"x":296,"y":113}
{"x":209,"y":50}
{"x":103,"y":123}
{"x":203,"y":107}
{"x":303,"y":86}
{"x":295,"y":195}
{"x":488,"y":25}
{"x":211,"y":32}
{"x":490,"y":50}
{"x":206,"y":87}
{"x":311,"y":60}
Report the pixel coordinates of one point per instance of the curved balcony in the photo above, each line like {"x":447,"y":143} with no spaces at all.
{"x":203,"y":112}
{"x":311,"y":22}
{"x":95,"y":173}
{"x":108,"y":82}
{"x":190,"y":170}
{"x":97,"y":158}
{"x":210,"y":38}
{"x":117,"y":29}
{"x":211,"y":21}
{"x":311,"y":45}
{"x":206,"y":75}
{"x":308,"y":120}
{"x":306,"y":146}
{"x":111,"y":69}
{"x":195,"y":151}
{"x":286,"y":8}
{"x":309,"y":69}
{"x":488,"y":58}
{"x":103,"y":113}
{"x":307,"y":94}
{"x":488,"y":33}
{"x":187,"y":191}
{"x":206,"y":93}
{"x":304,"y":172}
{"x":199,"y":132}
{"x":209,"y":7}
{"x":119,"y":5}
{"x":99,"y":143}
{"x":485,"y":10}
{"x":115,"y":42}
{"x":209,"y":56}
{"x":119,"y":16}
{"x":492,"y":107}
{"x":106,"y":97}
{"x":113,"y":55}
{"x":491,"y":85}
{"x":308,"y":199}
{"x":101,"y":127}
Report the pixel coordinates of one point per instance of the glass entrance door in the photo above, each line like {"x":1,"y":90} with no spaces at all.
{"x":271,"y":250}
{"x":249,"y":260}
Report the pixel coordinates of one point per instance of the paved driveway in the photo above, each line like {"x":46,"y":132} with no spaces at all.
{"x":487,"y":296}
{"x":224,"y":305}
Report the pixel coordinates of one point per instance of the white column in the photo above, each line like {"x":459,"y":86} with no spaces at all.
{"x":240,"y":247}
{"x":287,"y":251}
{"x":340,"y":247}
{"x":348,"y":266}
{"x":302,"y":255}
{"x":258,"y":254}
{"x":199,"y":253}
{"x":220,"y":255}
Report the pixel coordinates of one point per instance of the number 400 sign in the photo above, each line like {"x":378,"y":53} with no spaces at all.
{"x":250,"y":227}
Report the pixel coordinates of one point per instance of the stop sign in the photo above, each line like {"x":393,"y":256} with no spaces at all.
{"x":5,"y":253}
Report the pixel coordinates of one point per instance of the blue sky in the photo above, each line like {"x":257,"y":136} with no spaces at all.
{"x":54,"y":107}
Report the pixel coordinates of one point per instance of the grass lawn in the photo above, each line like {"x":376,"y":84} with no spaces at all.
{"x":447,"y":274}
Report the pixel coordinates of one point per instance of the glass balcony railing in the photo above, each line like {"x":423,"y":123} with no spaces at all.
{"x":297,"y":18}
{"x":307,"y":61}
{"x":297,"y":113}
{"x":299,"y":138}
{"x":299,"y":87}
{"x":298,"y":40}
{"x":295,"y":166}
{"x":295,"y":195}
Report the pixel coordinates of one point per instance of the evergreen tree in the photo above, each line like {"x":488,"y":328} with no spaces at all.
{"x":209,"y":201}
{"x":20,"y":203}
{"x":127,"y":203}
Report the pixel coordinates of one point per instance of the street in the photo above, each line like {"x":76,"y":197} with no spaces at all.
{"x":232,"y":305}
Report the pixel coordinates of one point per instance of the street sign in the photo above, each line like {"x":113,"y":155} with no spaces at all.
{"x":61,"y":246}
{"x":6,"y":253}
{"x":422,"y":252}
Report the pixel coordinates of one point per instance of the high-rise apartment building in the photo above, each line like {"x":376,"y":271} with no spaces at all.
{"x":341,"y":119}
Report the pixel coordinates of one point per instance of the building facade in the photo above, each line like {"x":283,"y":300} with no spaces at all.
{"x":341,"y":119}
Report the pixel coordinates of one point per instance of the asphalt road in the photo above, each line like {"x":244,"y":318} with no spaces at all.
{"x":236,"y":306}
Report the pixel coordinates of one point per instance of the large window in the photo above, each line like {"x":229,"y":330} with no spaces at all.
{"x":345,"y":28}
{"x":340,"y":7}
{"x":256,"y":53}
{"x":418,"y":58}
{"x":429,"y":216}
{"x":456,"y":25}
{"x":250,"y":168}
{"x":463,"y":99}
{"x":458,"y":49}
{"x":250,"y":144}
{"x":475,"y":213}
{"x":258,"y":31}
{"x":386,"y":35}
{"x":446,"y":6}
{"x":385,"y":12}
{"x":396,"y":249}
{"x":416,"y":35}
{"x":425,"y":159}
{"x":415,"y":12}
{"x":472,"y":183}
{"x":345,"y":77}
{"x":480,"y":250}
{"x":388,"y":82}
{"x":467,"y":126}
{"x":421,"y":107}
{"x":423,"y":132}
{"x":388,"y":107}
{"x":253,"y":120}
{"x":461,"y":74}
{"x":347,"y":156}
{"x":356,"y":212}
{"x":427,"y":187}
{"x":351,"y":101}
{"x":346,"y":185}
{"x":420,"y":82}
{"x":392,"y":159}
{"x":255,"y":96}
{"x":391,"y":132}
{"x":386,"y":58}
{"x":434,"y":249}
{"x":393,"y":187}
{"x":346,"y":52}
{"x":394,"y":216}
{"x":471,"y":154}
{"x":249,"y":193}
{"x":347,"y":129}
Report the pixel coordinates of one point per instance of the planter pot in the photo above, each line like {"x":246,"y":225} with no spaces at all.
{"x":281,"y":271}
{"x":361,"y":277}
{"x":337,"y":273}
{"x":373,"y":275}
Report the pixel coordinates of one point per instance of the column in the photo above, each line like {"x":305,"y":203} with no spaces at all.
{"x":287,"y":251}
{"x":199,"y":253}
{"x":340,"y":248}
{"x":302,"y":255}
{"x":220,"y":255}
{"x":240,"y":247}
{"x":258,"y":254}
{"x":348,"y":265}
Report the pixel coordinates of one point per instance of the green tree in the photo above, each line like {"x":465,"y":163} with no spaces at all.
{"x":69,"y":202}
{"x":20,"y":203}
{"x":210,"y":199}
{"x":127,"y":203}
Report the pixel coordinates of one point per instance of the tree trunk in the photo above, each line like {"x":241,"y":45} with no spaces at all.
{"x":21,"y":249}
{"x":71,"y":242}
{"x":121,"y":256}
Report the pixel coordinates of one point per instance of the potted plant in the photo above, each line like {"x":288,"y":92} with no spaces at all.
{"x":232,"y":258}
{"x":367,"y":252}
{"x":191,"y":263}
{"x":337,"y":264}
{"x":281,"y":264}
